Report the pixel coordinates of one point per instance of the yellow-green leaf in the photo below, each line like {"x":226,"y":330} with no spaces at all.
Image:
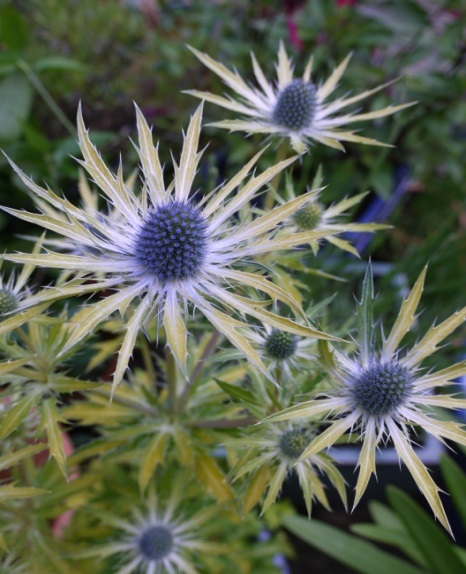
{"x":11,"y":492}
{"x":405,"y":319}
{"x":10,"y":459}
{"x":54,"y":434}
{"x":212,"y":477}
{"x":152,"y":456}
{"x":255,"y":489}
{"x":16,"y":414}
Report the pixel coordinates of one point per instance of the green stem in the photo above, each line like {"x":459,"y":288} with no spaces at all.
{"x":172,"y":379}
{"x":208,"y":349}
{"x":127,"y":402}
{"x":147,"y":360}
{"x":222,"y":423}
{"x":281,"y":155}
{"x":46,"y":96}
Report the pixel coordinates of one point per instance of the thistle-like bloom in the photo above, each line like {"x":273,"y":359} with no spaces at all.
{"x":275,"y":451}
{"x":165,"y":249}
{"x":283,"y":351}
{"x":314,"y":215}
{"x":14,"y":291}
{"x":159,"y":542}
{"x":296,"y":108}
{"x":384,"y":394}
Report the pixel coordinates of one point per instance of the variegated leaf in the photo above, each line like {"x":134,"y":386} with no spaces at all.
{"x":405,"y":319}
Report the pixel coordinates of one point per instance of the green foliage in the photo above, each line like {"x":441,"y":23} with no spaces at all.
{"x":404,"y":525}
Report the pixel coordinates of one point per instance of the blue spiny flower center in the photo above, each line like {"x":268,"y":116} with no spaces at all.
{"x":382,"y":388}
{"x":296,"y":105}
{"x":293,"y":442}
{"x":280,"y":345}
{"x":309,"y":216}
{"x":8,"y":302}
{"x":156,"y":542}
{"x":172,"y":242}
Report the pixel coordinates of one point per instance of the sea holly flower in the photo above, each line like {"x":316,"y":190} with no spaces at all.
{"x":16,"y":297}
{"x":164,"y":249}
{"x":282,"y":351}
{"x":294,"y":108}
{"x":160,"y":541}
{"x":272,"y":452}
{"x":315,"y":215}
{"x":385,"y":393}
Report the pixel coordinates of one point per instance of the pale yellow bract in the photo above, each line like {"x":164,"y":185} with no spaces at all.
{"x":343,"y":413}
{"x":101,"y":246}
{"x":257,"y":105}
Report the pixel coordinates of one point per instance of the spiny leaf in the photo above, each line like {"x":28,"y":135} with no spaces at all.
{"x":365,"y":317}
{"x":405,"y":319}
{"x":54,"y":434}
{"x":152,"y":456}
{"x":212,"y":477}
{"x":16,"y":414}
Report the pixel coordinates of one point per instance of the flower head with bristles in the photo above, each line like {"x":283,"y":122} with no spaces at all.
{"x":297,"y":108}
{"x":282,"y":351}
{"x":15,"y":295}
{"x":275,"y":451}
{"x":384,"y":393}
{"x":163,"y":249}
{"x":314,"y":215}
{"x":159,"y":541}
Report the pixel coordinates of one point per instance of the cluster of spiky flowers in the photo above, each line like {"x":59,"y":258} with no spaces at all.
{"x":296,"y":108}
{"x":166,"y":260}
{"x":165,"y":249}
{"x":384,"y":394}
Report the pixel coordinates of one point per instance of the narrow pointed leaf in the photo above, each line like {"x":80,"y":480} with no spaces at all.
{"x":15,"y":415}
{"x":419,"y":472}
{"x":54,"y":434}
{"x":365,"y":317}
{"x":358,"y":555}
{"x":274,"y":488}
{"x":152,"y":456}
{"x":133,"y":326}
{"x":175,"y":330}
{"x":433,"y":337}
{"x":212,"y":477}
{"x":431,"y":540}
{"x":11,"y":492}
{"x":455,"y":479}
{"x":405,"y":319}
{"x":255,"y":489}
{"x":10,"y":459}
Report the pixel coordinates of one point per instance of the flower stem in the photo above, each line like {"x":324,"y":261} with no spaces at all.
{"x":208,"y":349}
{"x":172,"y":379}
{"x":280,"y":156}
{"x":222,"y":423}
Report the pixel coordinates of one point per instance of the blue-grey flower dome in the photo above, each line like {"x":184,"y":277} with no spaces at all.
{"x":172,"y":243}
{"x":156,"y":542}
{"x":382,"y":388}
{"x":309,"y":216}
{"x":8,"y":302}
{"x":293,"y":442}
{"x":296,"y":105}
{"x":280,"y":345}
